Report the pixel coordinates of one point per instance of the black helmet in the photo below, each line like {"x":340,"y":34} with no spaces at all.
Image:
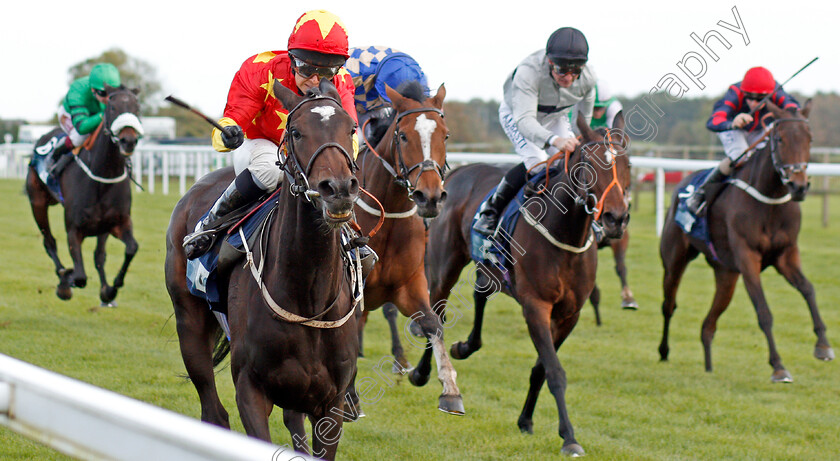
{"x":567,"y":44}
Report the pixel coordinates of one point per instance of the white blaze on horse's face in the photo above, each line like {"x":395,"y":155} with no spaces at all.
{"x":425,"y":127}
{"x":324,"y":111}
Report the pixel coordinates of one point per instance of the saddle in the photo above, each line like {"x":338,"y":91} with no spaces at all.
{"x":42,"y":160}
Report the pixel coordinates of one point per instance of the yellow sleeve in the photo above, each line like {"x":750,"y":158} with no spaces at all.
{"x":217,"y":135}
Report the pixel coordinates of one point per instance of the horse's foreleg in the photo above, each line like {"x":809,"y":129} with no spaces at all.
{"x":401,"y":364}
{"x":725,"y":282}
{"x":619,"y":248}
{"x":294,"y":422}
{"x":78,"y":277}
{"x":106,"y":293}
{"x":126,"y":235}
{"x":538,"y":317}
{"x":749,"y":264}
{"x":254,"y":406}
{"x":595,"y":300}
{"x":790,"y":267}
{"x":326,"y":429}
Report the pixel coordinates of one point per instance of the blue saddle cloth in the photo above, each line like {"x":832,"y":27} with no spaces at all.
{"x":202,"y":274}
{"x":695,"y":226}
{"x":497,"y":251}
{"x":42,"y":163}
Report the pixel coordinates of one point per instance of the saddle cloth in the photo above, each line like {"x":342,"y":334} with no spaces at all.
{"x":691,"y":224}
{"x":496,"y":250}
{"x":42,"y":161}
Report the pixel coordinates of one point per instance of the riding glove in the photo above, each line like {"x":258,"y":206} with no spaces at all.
{"x":232,"y":136}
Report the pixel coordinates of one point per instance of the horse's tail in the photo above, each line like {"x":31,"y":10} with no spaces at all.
{"x":221,"y":348}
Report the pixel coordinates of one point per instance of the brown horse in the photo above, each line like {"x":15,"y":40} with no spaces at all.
{"x":619,"y":251}
{"x":750,"y":229}
{"x":97,"y":196}
{"x":291,"y":310}
{"x":555,"y":261}
{"x":404,"y":172}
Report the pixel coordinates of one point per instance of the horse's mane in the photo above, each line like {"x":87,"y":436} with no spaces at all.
{"x":412,"y":89}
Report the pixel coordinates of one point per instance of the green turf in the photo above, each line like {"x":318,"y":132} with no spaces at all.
{"x":623,"y":402}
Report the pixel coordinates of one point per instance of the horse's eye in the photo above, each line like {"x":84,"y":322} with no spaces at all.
{"x":295,"y":133}
{"x":402,"y":137}
{"x":447,"y":137}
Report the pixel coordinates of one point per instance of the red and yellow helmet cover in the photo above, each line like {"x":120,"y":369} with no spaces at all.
{"x":321,"y":31}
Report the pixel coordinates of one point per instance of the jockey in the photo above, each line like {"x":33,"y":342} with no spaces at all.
{"x":736,"y":128}
{"x":606,"y":107}
{"x":81,"y":112}
{"x":254,"y":121}
{"x":372,"y":68}
{"x":538,"y":96}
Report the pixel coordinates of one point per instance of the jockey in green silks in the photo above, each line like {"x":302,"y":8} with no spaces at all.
{"x":81,"y":112}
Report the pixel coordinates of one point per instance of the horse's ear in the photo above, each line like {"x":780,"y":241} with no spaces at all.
{"x":806,"y":109}
{"x":584,"y":128}
{"x":437,"y":101}
{"x":777,"y":111}
{"x":136,"y":91}
{"x":395,"y":97}
{"x":618,"y":121}
{"x":287,"y":97}
{"x":110,"y":89}
{"x":328,"y":89}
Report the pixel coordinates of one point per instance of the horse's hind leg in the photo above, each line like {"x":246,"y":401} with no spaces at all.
{"x":790,"y":267}
{"x":725,"y":281}
{"x":294,"y":422}
{"x":461,"y":349}
{"x":39,"y":201}
{"x":526,"y":417}
{"x":401,"y":364}
{"x":619,"y":248}
{"x":676,"y":254}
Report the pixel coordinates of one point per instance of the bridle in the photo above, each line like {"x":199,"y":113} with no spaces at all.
{"x":784,"y":170}
{"x":126,"y":119}
{"x":294,"y":171}
{"x":403,"y":177}
{"x":599,"y":204}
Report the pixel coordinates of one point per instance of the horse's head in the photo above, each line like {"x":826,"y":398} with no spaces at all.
{"x":317,"y":144}
{"x":605,"y":173}
{"x":790,"y":148}
{"x":419,"y":145}
{"x":121,"y":119}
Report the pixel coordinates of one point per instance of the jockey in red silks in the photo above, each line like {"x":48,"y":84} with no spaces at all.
{"x":736,"y":128}
{"x":254,"y":121}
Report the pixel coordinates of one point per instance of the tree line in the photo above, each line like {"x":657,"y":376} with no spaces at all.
{"x":473,"y":125}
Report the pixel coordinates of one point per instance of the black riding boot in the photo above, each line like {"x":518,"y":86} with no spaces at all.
{"x":696,"y":203}
{"x":242,"y":191}
{"x":488,"y":218}
{"x":61,"y":157}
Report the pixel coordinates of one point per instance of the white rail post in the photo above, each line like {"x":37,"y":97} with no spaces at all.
{"x":165,"y":173}
{"x":660,"y":200}
{"x":182,"y":179}
{"x":151,"y":172}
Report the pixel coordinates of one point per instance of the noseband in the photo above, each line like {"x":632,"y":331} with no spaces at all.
{"x":126,"y":119}
{"x":297,"y":175}
{"x":403,"y":177}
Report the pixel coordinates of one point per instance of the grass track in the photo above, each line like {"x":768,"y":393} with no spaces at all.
{"x":623,"y":402}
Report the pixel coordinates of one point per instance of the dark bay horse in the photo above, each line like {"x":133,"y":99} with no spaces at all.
{"x":291,"y":311}
{"x":555,"y":258}
{"x":97,"y":196}
{"x":751,"y":229}
{"x":404,"y":172}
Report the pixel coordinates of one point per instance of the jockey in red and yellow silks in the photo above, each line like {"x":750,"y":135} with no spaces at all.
{"x":251,"y":103}
{"x":254,"y":120}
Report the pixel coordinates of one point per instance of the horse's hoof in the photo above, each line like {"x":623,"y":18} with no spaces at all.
{"x":781,"y":376}
{"x":452,"y":404}
{"x":526,"y":426}
{"x":629,"y":304}
{"x":417,"y":379}
{"x":574,"y":450}
{"x":460,"y":350}
{"x":107,"y":294}
{"x":824,"y":353}
{"x":350,"y":418}
{"x":108,"y":304}
{"x":416,"y":329}
{"x":64,"y":292}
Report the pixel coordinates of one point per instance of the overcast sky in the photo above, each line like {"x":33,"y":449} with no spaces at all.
{"x":470,"y":46}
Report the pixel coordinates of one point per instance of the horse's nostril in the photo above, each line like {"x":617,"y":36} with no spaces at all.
{"x":326,"y":188}
{"x":354,"y":186}
{"x":442,"y":197}
{"x":419,"y":197}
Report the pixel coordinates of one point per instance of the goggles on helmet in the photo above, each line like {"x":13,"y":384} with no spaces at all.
{"x":307,"y":70}
{"x":563,"y":68}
